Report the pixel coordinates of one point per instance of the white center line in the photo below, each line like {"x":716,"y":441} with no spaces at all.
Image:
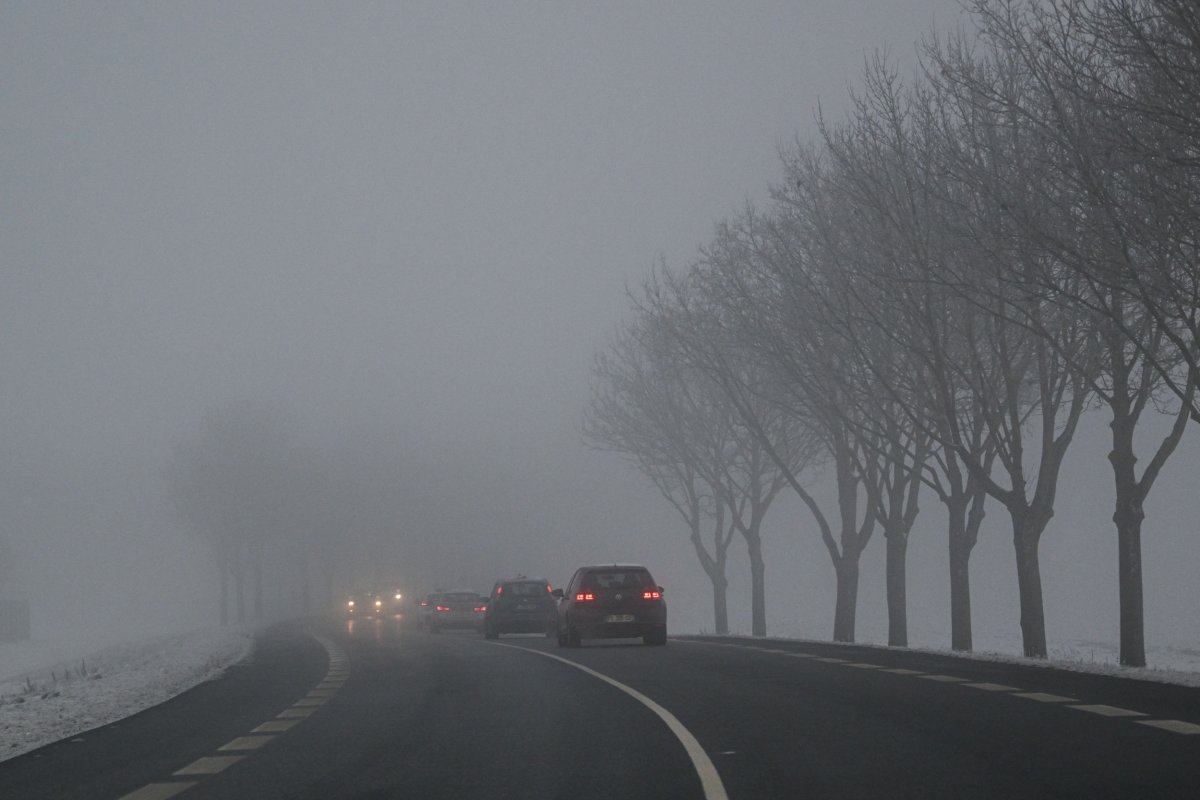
{"x":1172,"y":725}
{"x":1108,"y":711}
{"x":710,"y":780}
{"x":246,"y":743}
{"x":1042,"y":697}
{"x":159,"y":791}
{"x":208,"y":765}
{"x":276,"y":726}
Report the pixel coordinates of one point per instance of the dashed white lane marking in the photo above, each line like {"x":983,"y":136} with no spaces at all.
{"x":828,"y":660}
{"x":245,"y":743}
{"x":801,"y":655}
{"x":1042,"y":697}
{"x":159,"y":791}
{"x":276,"y":726}
{"x":943,"y":678}
{"x":864,"y":666}
{"x":310,"y":702}
{"x":710,"y":780}
{"x":1108,"y":711}
{"x":903,"y":671}
{"x":991,"y":687}
{"x":1172,"y":725}
{"x":208,"y":765}
{"x":294,"y":713}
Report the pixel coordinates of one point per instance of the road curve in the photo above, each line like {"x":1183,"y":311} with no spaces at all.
{"x":378,"y":710}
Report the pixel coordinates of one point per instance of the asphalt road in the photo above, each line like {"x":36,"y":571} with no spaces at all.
{"x":378,"y":710}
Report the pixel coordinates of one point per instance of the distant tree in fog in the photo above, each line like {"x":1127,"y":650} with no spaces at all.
{"x":669,"y":422}
{"x":229,"y":483}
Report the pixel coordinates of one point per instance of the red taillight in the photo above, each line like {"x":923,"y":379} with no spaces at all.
{"x":481,"y":608}
{"x":499,"y":590}
{"x":423,"y":603}
{"x":443,"y":608}
{"x":584,"y":596}
{"x":651,"y":595}
{"x":548,"y":589}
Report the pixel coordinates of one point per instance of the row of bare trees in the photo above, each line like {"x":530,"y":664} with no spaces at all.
{"x":940,"y":287}
{"x":280,"y":517}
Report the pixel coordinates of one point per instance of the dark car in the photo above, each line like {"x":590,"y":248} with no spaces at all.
{"x":610,"y":602}
{"x":519,"y":605}
{"x":458,"y":609}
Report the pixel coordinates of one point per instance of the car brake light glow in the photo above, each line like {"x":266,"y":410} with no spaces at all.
{"x":651,"y":595}
{"x":499,"y":590}
{"x":443,"y":608}
{"x":584,"y":596}
{"x":481,"y":608}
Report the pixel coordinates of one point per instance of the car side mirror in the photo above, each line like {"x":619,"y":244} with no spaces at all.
{"x":558,"y":593}
{"x":661,"y":590}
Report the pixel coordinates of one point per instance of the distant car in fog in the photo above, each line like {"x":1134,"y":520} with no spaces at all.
{"x":519,"y":605}
{"x":425,"y":608}
{"x":458,"y":609}
{"x":611,"y":601}
{"x":363,"y":604}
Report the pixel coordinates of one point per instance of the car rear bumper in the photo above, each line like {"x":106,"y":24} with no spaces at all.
{"x":520,"y":623}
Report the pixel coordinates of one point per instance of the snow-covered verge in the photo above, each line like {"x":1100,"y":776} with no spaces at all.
{"x":66,"y":695}
{"x":1176,"y":665}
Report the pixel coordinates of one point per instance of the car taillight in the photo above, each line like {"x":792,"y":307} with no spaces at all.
{"x":548,"y":589}
{"x":584,"y":596}
{"x":481,"y":608}
{"x":499,"y":590}
{"x":423,"y":603}
{"x":651,"y":595}
{"x":443,"y":608}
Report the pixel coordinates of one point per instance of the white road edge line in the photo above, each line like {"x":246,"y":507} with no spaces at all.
{"x":710,"y":780}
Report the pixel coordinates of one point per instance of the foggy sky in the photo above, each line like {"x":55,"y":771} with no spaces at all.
{"x":410,"y":225}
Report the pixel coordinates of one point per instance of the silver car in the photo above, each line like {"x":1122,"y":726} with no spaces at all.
{"x":457,"y":609}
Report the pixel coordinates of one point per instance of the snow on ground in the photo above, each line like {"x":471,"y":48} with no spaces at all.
{"x":52,"y":690}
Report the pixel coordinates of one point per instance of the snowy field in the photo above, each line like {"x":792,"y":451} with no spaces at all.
{"x":50,"y":690}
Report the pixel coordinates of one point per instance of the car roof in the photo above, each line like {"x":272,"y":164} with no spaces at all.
{"x":522,"y":579}
{"x":615,"y":566}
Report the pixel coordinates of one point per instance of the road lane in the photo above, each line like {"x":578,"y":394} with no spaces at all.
{"x":408,"y":714}
{"x":447,"y":716}
{"x":820,"y":726}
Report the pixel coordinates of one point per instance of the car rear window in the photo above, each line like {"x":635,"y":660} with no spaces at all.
{"x":618,"y":579}
{"x":460,"y":597}
{"x":526,"y":589}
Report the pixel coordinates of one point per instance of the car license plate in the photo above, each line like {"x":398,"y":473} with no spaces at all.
{"x":619,"y":618}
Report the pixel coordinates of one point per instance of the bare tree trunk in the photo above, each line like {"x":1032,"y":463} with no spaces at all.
{"x":720,"y":606}
{"x":1027,"y":534}
{"x":897,"y":588}
{"x":758,"y":595}
{"x":239,"y":587}
{"x":1128,"y":517}
{"x":847,"y":599}
{"x":257,"y":565}
{"x":223,"y":569}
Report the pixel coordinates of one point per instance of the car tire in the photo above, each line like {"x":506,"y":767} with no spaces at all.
{"x":562,"y":637}
{"x":573,"y":639}
{"x":656,"y":638}
{"x":490,"y":632}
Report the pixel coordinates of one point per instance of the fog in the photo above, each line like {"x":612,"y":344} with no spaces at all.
{"x":406,"y":228}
